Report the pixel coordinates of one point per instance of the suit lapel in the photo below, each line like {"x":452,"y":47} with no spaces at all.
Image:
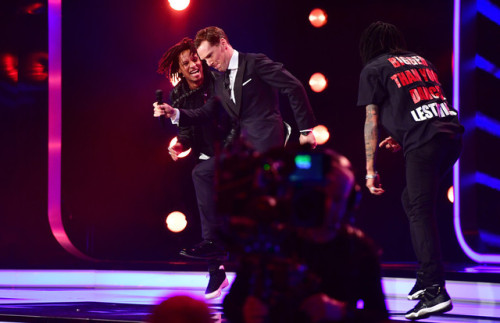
{"x":239,"y":81}
{"x":228,"y":104}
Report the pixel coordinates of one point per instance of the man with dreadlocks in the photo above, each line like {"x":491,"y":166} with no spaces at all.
{"x":194,"y":90}
{"x":401,"y":91}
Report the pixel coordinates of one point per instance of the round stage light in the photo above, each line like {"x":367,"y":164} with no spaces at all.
{"x":178,"y":5}
{"x":176,"y":221}
{"x":184,"y":153}
{"x":318,"y":82}
{"x":321,"y":133}
{"x":318,"y":17}
{"x":451,"y":194}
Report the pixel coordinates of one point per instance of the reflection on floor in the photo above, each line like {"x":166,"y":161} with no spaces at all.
{"x":129,"y":296}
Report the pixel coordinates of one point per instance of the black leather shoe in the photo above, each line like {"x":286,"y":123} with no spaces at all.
{"x":205,"y":250}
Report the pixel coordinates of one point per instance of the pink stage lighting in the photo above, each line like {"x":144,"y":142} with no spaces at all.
{"x":178,"y":5}
{"x":176,"y":221}
{"x":184,"y":153}
{"x":318,"y":17}
{"x":451,"y":194}
{"x":318,"y":82}
{"x":321,"y":133}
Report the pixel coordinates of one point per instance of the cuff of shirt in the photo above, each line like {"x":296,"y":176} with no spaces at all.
{"x":175,"y":118}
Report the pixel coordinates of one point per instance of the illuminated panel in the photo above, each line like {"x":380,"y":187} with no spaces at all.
{"x":487,"y":124}
{"x":54,"y":135}
{"x":487,"y":66}
{"x":489,"y":10}
{"x":479,"y":257}
{"x":487,"y":180}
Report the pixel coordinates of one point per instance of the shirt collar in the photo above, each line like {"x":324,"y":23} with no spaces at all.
{"x":233,"y":62}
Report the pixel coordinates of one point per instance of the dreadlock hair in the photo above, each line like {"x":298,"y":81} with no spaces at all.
{"x":211,"y":34}
{"x":379,"y":38}
{"x":169,"y":63}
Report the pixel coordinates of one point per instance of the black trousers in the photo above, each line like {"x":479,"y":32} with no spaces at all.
{"x":425,"y":168}
{"x":203,"y":180}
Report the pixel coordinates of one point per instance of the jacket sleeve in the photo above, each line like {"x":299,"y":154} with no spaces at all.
{"x":199,"y":116}
{"x":275,"y":75}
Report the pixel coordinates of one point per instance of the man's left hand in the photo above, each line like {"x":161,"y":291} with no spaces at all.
{"x":308,"y":139}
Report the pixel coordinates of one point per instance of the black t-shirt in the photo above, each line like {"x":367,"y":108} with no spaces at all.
{"x":411,"y":101}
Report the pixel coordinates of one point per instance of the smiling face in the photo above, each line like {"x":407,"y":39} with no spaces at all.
{"x":190,"y":67}
{"x":217,"y":56}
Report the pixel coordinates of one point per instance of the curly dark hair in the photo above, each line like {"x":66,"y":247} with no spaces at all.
{"x":379,"y":38}
{"x":169,"y":63}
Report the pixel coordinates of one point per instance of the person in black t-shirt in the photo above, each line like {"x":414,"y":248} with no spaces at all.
{"x":402,"y":93}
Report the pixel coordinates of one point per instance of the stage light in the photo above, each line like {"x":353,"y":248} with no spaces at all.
{"x":451,"y":194}
{"x":318,"y":17}
{"x":184,"y":153}
{"x":176,"y":221}
{"x":38,"y":66}
{"x":321,"y":133}
{"x":34,"y":8}
{"x":318,"y":82}
{"x":9,"y":66}
{"x":178,"y":5}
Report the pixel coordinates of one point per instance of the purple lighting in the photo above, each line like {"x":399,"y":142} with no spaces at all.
{"x":54,"y":129}
{"x":478,"y":257}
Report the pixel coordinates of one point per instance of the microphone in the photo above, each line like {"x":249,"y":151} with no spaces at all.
{"x":159,"y":99}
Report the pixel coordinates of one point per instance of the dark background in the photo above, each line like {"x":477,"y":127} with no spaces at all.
{"x":118,"y":182}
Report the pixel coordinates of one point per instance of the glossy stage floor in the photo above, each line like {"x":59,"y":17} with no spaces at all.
{"x":129,"y":296}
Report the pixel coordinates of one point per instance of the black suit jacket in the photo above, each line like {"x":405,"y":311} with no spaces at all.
{"x":201,"y":136}
{"x":256,"y":87}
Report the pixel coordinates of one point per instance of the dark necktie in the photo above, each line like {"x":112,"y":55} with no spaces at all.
{"x":227,"y":83}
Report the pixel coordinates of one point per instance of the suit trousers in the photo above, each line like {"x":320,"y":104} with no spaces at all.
{"x":203,"y":180}
{"x":425,"y":169}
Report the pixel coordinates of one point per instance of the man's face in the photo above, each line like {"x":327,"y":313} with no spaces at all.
{"x":215,"y":55}
{"x":190,"y":67}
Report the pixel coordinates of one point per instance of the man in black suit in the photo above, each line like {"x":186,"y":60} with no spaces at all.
{"x":249,"y":91}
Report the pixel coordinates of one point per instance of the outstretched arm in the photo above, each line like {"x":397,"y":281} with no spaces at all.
{"x":371,"y":138}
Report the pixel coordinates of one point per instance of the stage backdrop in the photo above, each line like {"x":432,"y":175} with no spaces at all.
{"x":118,"y":181}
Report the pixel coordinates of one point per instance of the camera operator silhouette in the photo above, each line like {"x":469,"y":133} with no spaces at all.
{"x":299,"y":259}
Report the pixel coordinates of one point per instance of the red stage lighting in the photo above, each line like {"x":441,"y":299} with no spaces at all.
{"x":321,"y":133}
{"x":34,"y":8}
{"x":318,"y":17}
{"x":318,"y":82}
{"x":38,"y":66}
{"x":176,"y":221}
{"x":9,"y":66}
{"x":184,"y":153}
{"x":178,"y":5}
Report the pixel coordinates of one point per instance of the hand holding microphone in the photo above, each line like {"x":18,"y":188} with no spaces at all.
{"x":162,"y":109}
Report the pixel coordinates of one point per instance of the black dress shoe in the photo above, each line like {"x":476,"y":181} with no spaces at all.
{"x":205,"y":250}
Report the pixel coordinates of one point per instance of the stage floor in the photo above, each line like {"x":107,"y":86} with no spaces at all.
{"x":129,"y":296}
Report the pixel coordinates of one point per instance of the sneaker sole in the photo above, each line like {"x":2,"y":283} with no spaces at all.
{"x":425,"y":312}
{"x":218,"y":292}
{"x":416,"y":295}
